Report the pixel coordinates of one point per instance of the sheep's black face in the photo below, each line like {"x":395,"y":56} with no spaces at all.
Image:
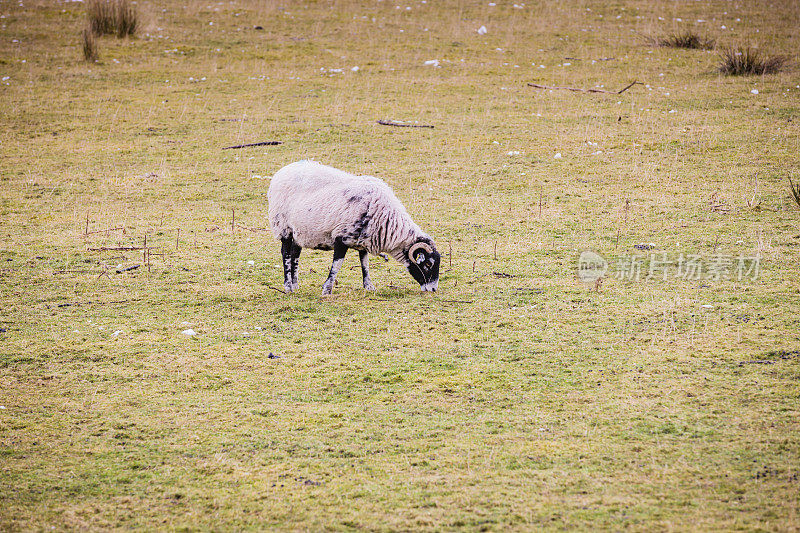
{"x":424,"y":265}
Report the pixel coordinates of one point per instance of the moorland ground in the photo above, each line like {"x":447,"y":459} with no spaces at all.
{"x":516,"y":397}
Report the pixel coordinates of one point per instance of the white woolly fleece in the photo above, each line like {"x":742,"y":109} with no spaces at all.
{"x":318,"y":204}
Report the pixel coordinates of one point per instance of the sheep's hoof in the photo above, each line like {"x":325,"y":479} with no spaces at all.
{"x":288,"y":288}
{"x":326,"y":291}
{"x":369,"y":287}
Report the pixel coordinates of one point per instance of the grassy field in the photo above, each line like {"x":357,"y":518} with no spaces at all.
{"x":517,"y":397}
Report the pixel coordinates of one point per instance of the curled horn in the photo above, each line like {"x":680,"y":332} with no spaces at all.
{"x":419,"y":246}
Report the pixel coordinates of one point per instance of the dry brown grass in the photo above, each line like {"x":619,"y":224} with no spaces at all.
{"x":112,"y":17}
{"x":683,"y":39}
{"x":750,"y":62}
{"x":795,"y":190}
{"x":89,"y":42}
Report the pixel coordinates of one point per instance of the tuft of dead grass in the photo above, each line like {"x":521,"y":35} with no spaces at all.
{"x":685,"y":39}
{"x":749,"y":62}
{"x":112,"y":17}
{"x":89,"y":42}
{"x":795,"y":190}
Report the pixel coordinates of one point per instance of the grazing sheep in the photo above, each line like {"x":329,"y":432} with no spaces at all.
{"x":316,"y":206}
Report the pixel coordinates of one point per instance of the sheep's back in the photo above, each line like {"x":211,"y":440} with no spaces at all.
{"x":318,"y":204}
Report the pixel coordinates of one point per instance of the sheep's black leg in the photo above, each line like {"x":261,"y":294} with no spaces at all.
{"x":295,"y":261}
{"x":287,"y":245}
{"x":339,"y":251}
{"x":364,"y":257}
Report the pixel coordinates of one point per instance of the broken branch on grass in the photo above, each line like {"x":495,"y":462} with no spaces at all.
{"x":598,"y":59}
{"x":580,"y":90}
{"x":115,"y":248}
{"x":126,"y":269}
{"x":248,"y":145}
{"x":276,"y":289}
{"x":105,"y":231}
{"x":402,"y":124}
{"x":251,"y":229}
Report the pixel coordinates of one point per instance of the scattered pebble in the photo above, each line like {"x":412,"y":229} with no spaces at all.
{"x":116,"y":333}
{"x":513,"y":152}
{"x":754,"y":91}
{"x":482,"y":30}
{"x":190,"y":332}
{"x":432,"y":62}
{"x":557,"y":156}
{"x":251,"y":262}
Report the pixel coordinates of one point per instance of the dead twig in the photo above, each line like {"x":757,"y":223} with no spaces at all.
{"x":115,"y":248}
{"x":402,"y":124}
{"x":254,"y":230}
{"x":580,"y":90}
{"x":128,"y":268}
{"x":598,"y":59}
{"x":276,"y":289}
{"x":105,"y":230}
{"x":248,"y":145}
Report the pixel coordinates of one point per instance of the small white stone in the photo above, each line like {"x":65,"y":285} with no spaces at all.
{"x":754,"y":91}
{"x":190,"y":332}
{"x":557,"y":156}
{"x":482,"y":30}
{"x":251,"y":262}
